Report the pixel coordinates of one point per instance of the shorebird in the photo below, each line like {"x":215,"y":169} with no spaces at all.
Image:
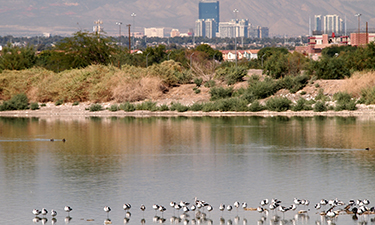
{"x":68,"y":209}
{"x":264,"y":202}
{"x":53,"y":213}
{"x":193,"y":207}
{"x":126,"y":207}
{"x":107,"y":209}
{"x":229,"y":208}
{"x":210,"y":208}
{"x":36,"y":212}
{"x":221,"y":207}
{"x":44,"y":211}
{"x":236,"y":204}
{"x":244,"y":205}
{"x":143,"y":207}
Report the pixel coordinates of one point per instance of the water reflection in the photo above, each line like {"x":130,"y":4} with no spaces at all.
{"x":109,"y":161}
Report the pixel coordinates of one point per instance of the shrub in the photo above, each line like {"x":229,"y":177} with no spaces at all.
{"x":303,"y":93}
{"x":34,"y":106}
{"x":320,"y":106}
{"x":147,"y":105}
{"x":368,"y":96}
{"x":231,"y":75}
{"x":113,"y":108}
{"x":43,"y":105}
{"x":196,"y":107}
{"x":163,"y":107}
{"x":75,"y":103}
{"x":278,"y":104}
{"x":95,"y":107}
{"x":183,"y":77}
{"x":220,"y":93}
{"x":344,"y":101}
{"x":210,"y":84}
{"x":301,"y":104}
{"x":127,"y":107}
{"x":321,"y":96}
{"x":19,"y":102}
{"x":59,"y":102}
{"x":262,"y":89}
{"x":256,"y":106}
{"x":197,"y":91}
{"x":209,"y":107}
{"x":198,"y":81}
{"x":231,"y":104}
{"x":179,"y":107}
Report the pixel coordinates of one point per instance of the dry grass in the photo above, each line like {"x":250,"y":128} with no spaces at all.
{"x":358,"y":82}
{"x":95,"y":83}
{"x":139,"y":89}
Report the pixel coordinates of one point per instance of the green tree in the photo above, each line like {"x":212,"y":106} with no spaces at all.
{"x":210,"y":52}
{"x":81,"y":50}
{"x":17,"y":58}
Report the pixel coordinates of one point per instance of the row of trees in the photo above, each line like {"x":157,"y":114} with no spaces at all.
{"x":85,"y":48}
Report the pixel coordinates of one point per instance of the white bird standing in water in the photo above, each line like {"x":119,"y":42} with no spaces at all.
{"x":36,"y":212}
{"x":68,"y":209}
{"x":53,"y":213}
{"x":44,"y":211}
{"x":107,"y":209}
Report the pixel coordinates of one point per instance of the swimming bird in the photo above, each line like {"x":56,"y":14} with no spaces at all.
{"x":53,"y":213}
{"x":107,"y":209}
{"x":68,"y":209}
{"x":36,"y":212}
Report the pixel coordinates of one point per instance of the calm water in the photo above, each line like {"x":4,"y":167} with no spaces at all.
{"x":112,"y":161}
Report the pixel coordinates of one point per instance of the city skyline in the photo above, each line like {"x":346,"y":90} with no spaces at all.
{"x":31,"y":18}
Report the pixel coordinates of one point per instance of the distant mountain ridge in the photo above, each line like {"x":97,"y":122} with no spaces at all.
{"x":283,"y":17}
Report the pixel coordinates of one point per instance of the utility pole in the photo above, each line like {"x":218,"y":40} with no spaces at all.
{"x":129,"y":38}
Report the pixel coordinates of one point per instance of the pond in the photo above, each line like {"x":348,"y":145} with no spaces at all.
{"x":220,"y":160}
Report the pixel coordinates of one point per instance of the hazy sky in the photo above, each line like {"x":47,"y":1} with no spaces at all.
{"x":290,"y":17}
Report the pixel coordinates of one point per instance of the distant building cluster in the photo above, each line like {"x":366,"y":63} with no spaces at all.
{"x":328,"y":24}
{"x":209,"y":25}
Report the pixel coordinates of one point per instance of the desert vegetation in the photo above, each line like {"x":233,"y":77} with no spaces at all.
{"x":91,"y":68}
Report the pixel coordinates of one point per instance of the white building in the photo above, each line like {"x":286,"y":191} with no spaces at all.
{"x":200,"y":28}
{"x":333,"y":23}
{"x":210,"y":28}
{"x":154,"y":32}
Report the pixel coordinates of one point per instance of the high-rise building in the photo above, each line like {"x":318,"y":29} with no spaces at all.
{"x":200,"y":28}
{"x":210,"y":28}
{"x":242,"y":28}
{"x":209,"y":9}
{"x":318,"y":23}
{"x":227,"y":29}
{"x":175,"y":33}
{"x":332,"y":23}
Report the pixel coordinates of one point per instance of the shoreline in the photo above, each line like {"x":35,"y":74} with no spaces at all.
{"x":67,"y":110}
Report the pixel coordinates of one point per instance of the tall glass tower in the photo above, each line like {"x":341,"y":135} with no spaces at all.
{"x":209,"y":9}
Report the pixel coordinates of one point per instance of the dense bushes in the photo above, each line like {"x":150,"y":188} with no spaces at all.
{"x":231,"y":75}
{"x":17,"y":102}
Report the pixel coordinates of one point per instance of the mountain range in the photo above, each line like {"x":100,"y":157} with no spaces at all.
{"x":64,"y":17}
